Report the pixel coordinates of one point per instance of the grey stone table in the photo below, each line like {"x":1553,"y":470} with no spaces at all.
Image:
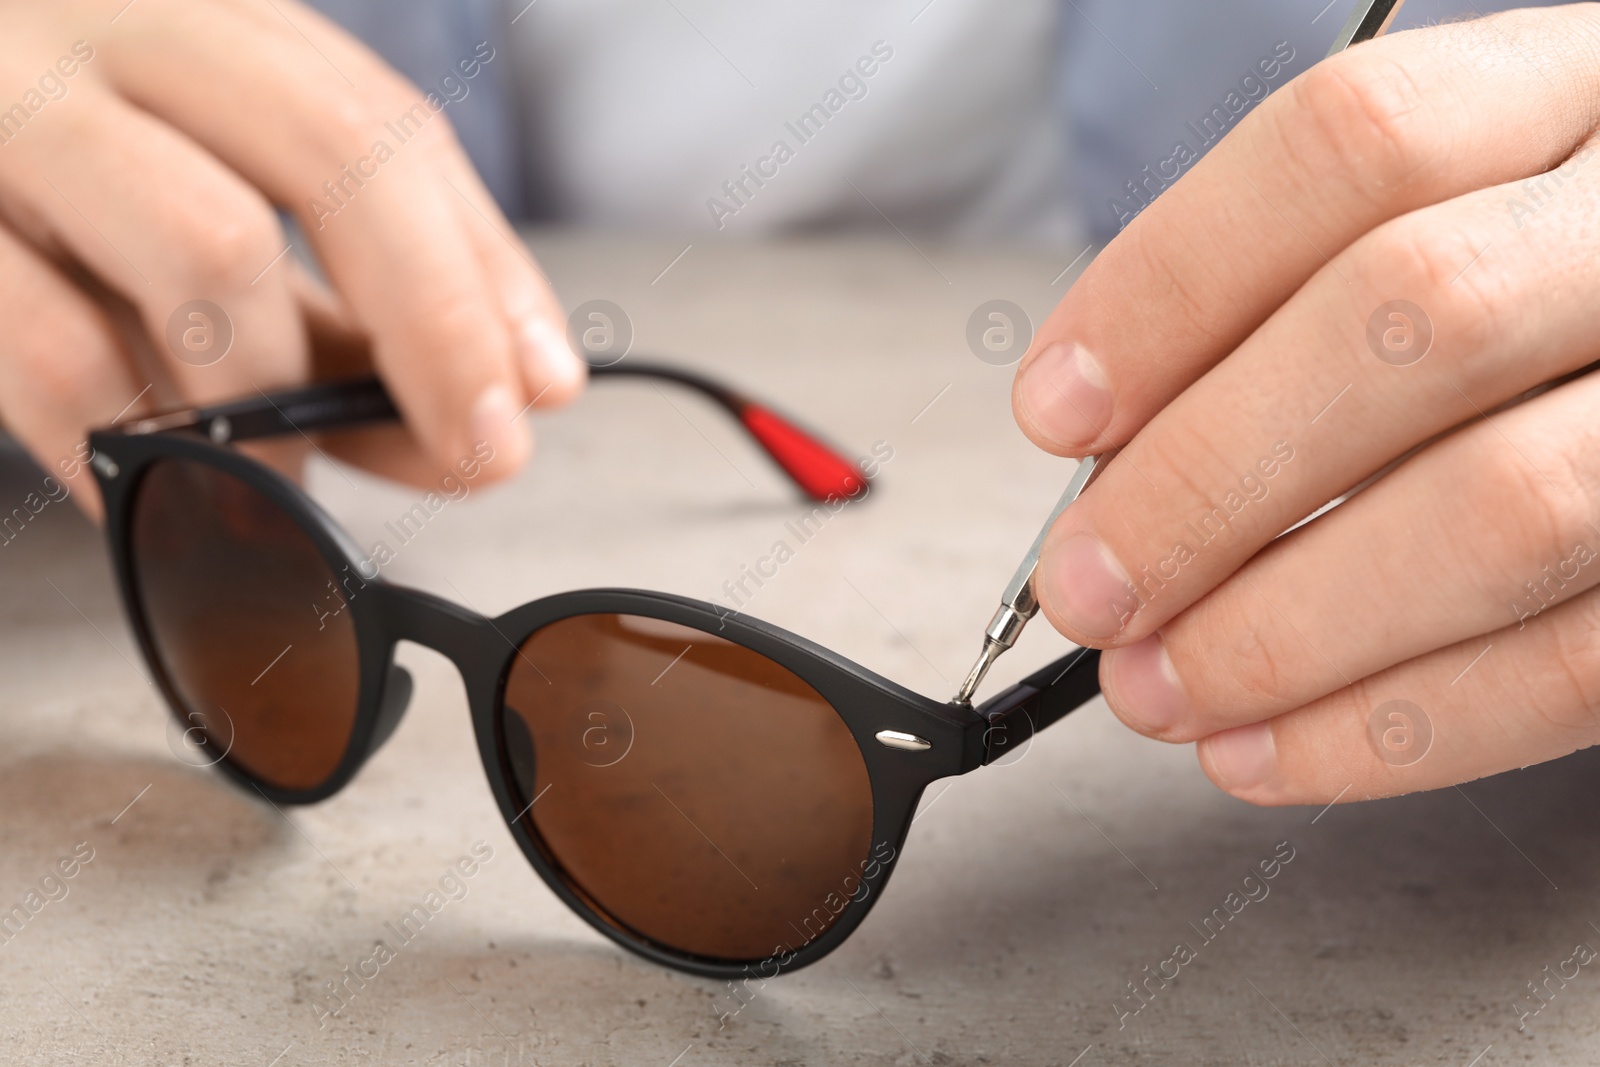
{"x":1030,"y":896}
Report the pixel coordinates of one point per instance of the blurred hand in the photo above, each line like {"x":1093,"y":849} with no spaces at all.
{"x":1393,"y":245}
{"x":143,"y":147}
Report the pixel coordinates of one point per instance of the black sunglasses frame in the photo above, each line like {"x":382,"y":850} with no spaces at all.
{"x":959,"y":738}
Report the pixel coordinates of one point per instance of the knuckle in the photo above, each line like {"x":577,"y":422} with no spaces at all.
{"x":1364,"y":117}
{"x":1575,"y":658}
{"x":435,"y":128}
{"x":450,"y":322}
{"x":354,"y":123}
{"x":1165,"y":260}
{"x":1245,"y":672}
{"x":43,"y":383}
{"x":53,"y":375}
{"x":224,"y":246}
{"x":345,"y":128}
{"x":1194,"y":479}
{"x":1424,"y":259}
{"x":458,"y":315}
{"x":56,"y":342}
{"x":412,"y":112}
{"x":1256,"y":660}
{"x":1536,"y":494}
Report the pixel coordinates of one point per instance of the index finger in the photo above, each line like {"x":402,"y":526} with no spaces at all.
{"x":1393,"y":125}
{"x":1192,"y":451}
{"x":355,"y":153}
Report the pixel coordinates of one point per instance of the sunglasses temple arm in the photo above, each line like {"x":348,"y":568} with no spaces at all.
{"x":330,"y":406}
{"x":818,"y":470}
{"x":1042,"y":699}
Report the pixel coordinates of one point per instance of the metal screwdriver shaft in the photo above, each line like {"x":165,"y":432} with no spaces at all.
{"x":1018,"y":604}
{"x":1370,"y":19}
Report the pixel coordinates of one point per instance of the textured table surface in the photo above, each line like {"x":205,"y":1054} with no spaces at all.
{"x":1029,"y":896}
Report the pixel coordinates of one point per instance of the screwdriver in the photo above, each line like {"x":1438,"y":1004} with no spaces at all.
{"x":1018,"y":604}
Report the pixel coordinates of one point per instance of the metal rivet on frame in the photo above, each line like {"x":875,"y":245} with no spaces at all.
{"x":904,"y":741}
{"x":221,"y":430}
{"x":105,"y":465}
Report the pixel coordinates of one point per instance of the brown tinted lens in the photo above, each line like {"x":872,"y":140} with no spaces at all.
{"x":694,"y":791}
{"x":248,"y":622}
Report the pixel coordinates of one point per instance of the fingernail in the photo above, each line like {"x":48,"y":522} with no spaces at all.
{"x":1241,"y":759}
{"x":498,"y":422}
{"x":1146,"y":685}
{"x":1065,"y":395}
{"x":552,"y":367}
{"x":1086,"y":587}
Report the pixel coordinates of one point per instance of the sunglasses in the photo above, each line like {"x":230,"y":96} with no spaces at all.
{"x":709,"y":791}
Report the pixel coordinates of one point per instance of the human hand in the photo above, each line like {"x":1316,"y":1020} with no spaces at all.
{"x":142,"y":148}
{"x":1240,"y":339}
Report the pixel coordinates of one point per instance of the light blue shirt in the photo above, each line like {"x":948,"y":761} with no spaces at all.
{"x":1118,"y":96}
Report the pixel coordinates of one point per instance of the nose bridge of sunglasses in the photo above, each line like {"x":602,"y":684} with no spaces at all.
{"x":460,"y":634}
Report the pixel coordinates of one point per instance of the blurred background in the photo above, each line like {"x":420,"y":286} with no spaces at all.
{"x":957,"y":119}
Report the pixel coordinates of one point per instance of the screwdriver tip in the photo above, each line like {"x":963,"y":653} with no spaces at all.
{"x":991,"y":652}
